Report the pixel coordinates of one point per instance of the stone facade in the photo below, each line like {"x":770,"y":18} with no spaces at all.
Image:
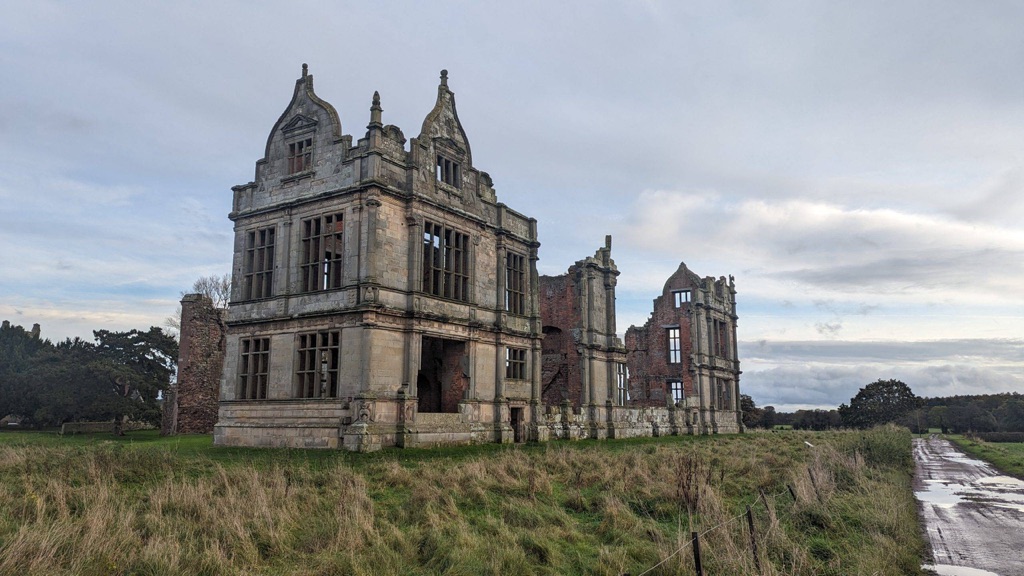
{"x":190,"y":406}
{"x":685,"y":355}
{"x":382,"y":296}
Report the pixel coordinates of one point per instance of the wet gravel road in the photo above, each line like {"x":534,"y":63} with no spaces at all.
{"x":974,"y":516}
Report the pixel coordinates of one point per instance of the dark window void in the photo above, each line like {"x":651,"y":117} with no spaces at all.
{"x":445,"y":262}
{"x":515,"y":363}
{"x":323,"y":252}
{"x":515,"y":283}
{"x":442,"y":381}
{"x":253,"y":367}
{"x":300,"y":156}
{"x":448,"y":172}
{"x":258,"y":277}
{"x":316,"y":374}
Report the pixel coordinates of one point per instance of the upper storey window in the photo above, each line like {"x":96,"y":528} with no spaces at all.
{"x":445,"y":262}
{"x":300,"y":155}
{"x":449,"y":172}
{"x":681,"y":297}
{"x":258,"y":278}
{"x":515,"y":283}
{"x":322,"y":253}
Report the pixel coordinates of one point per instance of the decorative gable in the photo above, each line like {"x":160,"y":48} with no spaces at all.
{"x":299,"y":123}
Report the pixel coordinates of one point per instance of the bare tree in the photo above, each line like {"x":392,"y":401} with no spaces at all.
{"x":216,"y":288}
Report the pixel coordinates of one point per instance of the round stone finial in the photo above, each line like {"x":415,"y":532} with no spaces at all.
{"x":305,"y":69}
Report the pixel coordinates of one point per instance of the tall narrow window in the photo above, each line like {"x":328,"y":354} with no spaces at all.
{"x":675,"y":390}
{"x":448,"y":172}
{"x":322,"y":253}
{"x":253,"y":367}
{"x":681,"y":297}
{"x":621,"y":380}
{"x":316,"y":374}
{"x":258,"y":277}
{"x":515,"y":283}
{"x":445,"y":262}
{"x":515,"y":363}
{"x":300,"y":156}
{"x":675,"y":355}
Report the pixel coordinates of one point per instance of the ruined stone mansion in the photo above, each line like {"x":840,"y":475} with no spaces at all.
{"x":383,"y":296}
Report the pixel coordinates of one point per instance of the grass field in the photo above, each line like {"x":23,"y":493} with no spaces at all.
{"x":1007,"y":457}
{"x":150,"y":505}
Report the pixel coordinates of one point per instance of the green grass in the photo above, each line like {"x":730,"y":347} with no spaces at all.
{"x":1007,"y":457}
{"x":142,"y":504}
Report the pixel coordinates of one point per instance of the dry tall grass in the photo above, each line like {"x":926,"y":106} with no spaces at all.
{"x":584,"y":508}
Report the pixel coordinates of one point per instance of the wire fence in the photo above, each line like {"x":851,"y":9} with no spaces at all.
{"x":695,"y":537}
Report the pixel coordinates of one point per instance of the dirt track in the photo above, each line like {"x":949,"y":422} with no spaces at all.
{"x":974,"y":516}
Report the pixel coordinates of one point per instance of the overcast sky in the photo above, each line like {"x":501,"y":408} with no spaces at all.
{"x":857,"y":166}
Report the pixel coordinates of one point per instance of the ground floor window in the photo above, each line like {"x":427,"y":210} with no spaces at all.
{"x":621,"y":380}
{"x":675,"y":390}
{"x":316,"y":374}
{"x":253,"y":368}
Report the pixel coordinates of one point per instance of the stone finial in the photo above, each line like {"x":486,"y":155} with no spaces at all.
{"x":375,"y":111}
{"x":444,"y":78}
{"x":305,"y":69}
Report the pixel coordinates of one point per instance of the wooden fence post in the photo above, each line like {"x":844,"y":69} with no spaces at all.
{"x":696,"y":553}
{"x":791,"y":492}
{"x":753,"y":539}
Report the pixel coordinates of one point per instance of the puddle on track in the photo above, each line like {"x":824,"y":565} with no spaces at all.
{"x":947,"y":570}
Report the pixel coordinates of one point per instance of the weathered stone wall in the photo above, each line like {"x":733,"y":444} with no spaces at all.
{"x":191,"y":406}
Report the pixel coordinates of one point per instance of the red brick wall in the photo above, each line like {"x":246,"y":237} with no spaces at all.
{"x":192,"y":408}
{"x":648,"y":352}
{"x":560,"y":314}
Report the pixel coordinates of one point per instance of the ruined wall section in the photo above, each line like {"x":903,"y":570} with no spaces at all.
{"x":190,"y":407}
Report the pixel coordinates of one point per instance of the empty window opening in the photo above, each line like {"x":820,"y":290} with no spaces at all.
{"x":621,"y":382}
{"x":681,"y":297}
{"x":675,"y":355}
{"x":445,"y":262}
{"x":675,"y":391}
{"x":316,"y":374}
{"x":448,"y":172}
{"x":253,"y":368}
{"x":300,"y":156}
{"x":323,"y":252}
{"x":258,"y":277}
{"x":515,"y":363}
{"x":442,"y":381}
{"x":515,"y":283}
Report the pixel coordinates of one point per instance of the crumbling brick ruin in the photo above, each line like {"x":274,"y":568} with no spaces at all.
{"x":685,"y":355}
{"x":382,"y":296}
{"x":190,"y":406}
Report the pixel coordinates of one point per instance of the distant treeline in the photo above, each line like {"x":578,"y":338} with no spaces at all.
{"x":981,"y":413}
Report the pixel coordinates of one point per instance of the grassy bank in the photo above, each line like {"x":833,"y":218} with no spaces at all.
{"x":146,"y":505}
{"x":1007,"y":457}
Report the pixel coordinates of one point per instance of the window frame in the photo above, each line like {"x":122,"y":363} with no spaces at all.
{"x":515,"y":283}
{"x":674,"y":387}
{"x":622,"y":383}
{"x":448,"y":171}
{"x":253,"y":368}
{"x":300,"y":155}
{"x":446,"y":262}
{"x":258,"y":267}
{"x":318,"y":364}
{"x":674,"y":345}
{"x":515,"y":363}
{"x":318,"y":271}
{"x":680,"y":297}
